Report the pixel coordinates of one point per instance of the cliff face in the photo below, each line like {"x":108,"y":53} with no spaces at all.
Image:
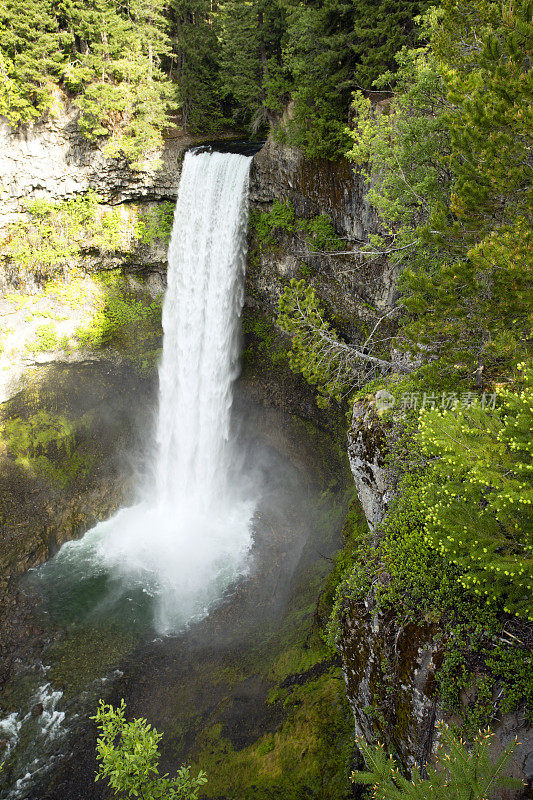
{"x":389,"y":664}
{"x":319,"y":187}
{"x":56,"y":162}
{"x":352,"y":288}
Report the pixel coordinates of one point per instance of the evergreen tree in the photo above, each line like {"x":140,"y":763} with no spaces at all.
{"x":250,"y":38}
{"x":474,"y":306}
{"x":32,"y":48}
{"x":194,"y":64}
{"x":453,"y":183}
{"x":479,"y":499}
{"x":124,"y":94}
{"x":330,"y":49}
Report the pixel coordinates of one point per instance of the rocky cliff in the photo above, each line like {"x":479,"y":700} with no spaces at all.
{"x":54,"y":161}
{"x":390,"y":664}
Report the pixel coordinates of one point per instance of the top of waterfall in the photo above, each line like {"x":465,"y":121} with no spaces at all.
{"x":241,"y":147}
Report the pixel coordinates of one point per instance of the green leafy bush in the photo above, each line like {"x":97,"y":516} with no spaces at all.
{"x":155,"y":223}
{"x":128,"y":756}
{"x":321,"y":235}
{"x":58,"y":233}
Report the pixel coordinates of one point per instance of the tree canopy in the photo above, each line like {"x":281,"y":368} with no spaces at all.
{"x":133,"y":67}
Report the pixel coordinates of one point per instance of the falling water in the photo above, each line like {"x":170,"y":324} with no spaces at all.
{"x":191,"y":535}
{"x":200,"y":320}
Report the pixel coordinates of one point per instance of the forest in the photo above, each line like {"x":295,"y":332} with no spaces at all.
{"x":134,"y":68}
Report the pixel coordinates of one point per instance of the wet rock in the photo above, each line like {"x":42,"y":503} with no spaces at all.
{"x":367,"y":448}
{"x":37,"y":710}
{"x":318,"y":187}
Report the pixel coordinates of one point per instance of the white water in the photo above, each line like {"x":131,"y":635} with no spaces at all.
{"x":190,"y":537}
{"x":38,"y":729}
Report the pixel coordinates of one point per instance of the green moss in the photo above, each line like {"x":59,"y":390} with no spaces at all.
{"x":263,"y":343}
{"x":46,"y":338}
{"x":310,"y":756}
{"x":46,"y":445}
{"x":85,"y":654}
{"x":125,"y":320}
{"x":155,"y":223}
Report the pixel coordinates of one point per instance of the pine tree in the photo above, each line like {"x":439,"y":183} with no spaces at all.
{"x":453,"y":184}
{"x":124,"y":95}
{"x":32,"y":47}
{"x":250,"y":36}
{"x":478,"y":297}
{"x":333,"y":366}
{"x":194,"y":64}
{"x":479,"y":501}
{"x":330,"y":49}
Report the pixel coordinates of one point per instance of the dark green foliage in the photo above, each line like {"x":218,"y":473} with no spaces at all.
{"x":124,"y":95}
{"x":266,"y":225}
{"x":250,"y":35}
{"x":330,"y":49}
{"x":131,"y":66}
{"x":318,"y":233}
{"x":453,"y":185}
{"x":321,"y":235}
{"x":459,"y":774}
{"x":32,"y":47}
{"x":195,"y":64}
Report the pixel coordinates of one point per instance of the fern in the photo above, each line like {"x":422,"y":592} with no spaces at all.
{"x":458,"y":774}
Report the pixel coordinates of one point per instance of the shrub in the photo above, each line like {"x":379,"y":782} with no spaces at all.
{"x":128,"y":756}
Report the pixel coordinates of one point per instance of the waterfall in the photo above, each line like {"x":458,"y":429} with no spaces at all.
{"x":203,"y":302}
{"x":190,"y":536}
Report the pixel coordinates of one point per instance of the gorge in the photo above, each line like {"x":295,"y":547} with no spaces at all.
{"x":250,"y":567}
